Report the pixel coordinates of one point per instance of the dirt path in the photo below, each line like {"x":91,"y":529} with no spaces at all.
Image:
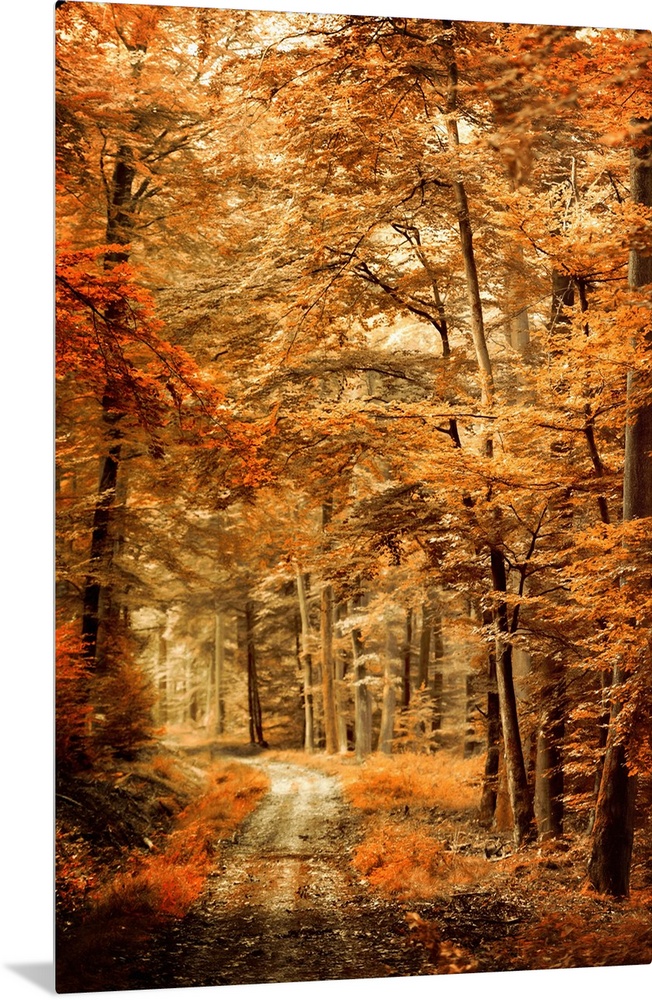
{"x":285,"y":904}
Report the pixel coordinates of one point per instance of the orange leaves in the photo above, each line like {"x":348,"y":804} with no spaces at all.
{"x":73,"y":705}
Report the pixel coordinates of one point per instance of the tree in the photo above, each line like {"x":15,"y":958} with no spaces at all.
{"x":613,"y":831}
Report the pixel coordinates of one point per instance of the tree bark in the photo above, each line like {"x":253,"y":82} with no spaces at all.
{"x":437,"y":686}
{"x":253,"y":695}
{"x":362,"y":697}
{"x":327,"y":661}
{"x":340,"y":689}
{"x":489,"y":795}
{"x":466,"y":233}
{"x":386,"y":735}
{"x":218,"y":691}
{"x":407,"y":662}
{"x":424,"y":647}
{"x":306,"y":661}
{"x":330,"y":721}
{"x":549,"y":777}
{"x":519,"y":793}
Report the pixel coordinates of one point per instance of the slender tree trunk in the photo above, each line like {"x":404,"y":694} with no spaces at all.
{"x":218,"y":692}
{"x":437,"y":687}
{"x":519,"y":793}
{"x":255,"y":713}
{"x":340,"y":685}
{"x":327,"y":660}
{"x":549,"y":778}
{"x":424,"y":647}
{"x":407,"y":662}
{"x":306,"y":662}
{"x":489,"y":795}
{"x":386,"y":735}
{"x":95,"y":591}
{"x":362,"y":696}
{"x":466,"y":233}
{"x":327,"y":664}
{"x":162,"y":671}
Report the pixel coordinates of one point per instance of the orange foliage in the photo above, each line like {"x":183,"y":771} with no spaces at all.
{"x":73,"y":708}
{"x":167,"y":883}
{"x":444,"y":780}
{"x":563,"y":940}
{"x":403,"y":859}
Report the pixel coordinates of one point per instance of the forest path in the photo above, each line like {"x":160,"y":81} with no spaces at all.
{"x":285,"y":904}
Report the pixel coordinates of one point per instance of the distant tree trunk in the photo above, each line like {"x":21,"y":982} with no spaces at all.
{"x":407,"y":661}
{"x":340,"y":689}
{"x":549,"y":778}
{"x":424,"y":647}
{"x":192,"y":688}
{"x":362,"y":698}
{"x":386,"y":735}
{"x":163,"y":682}
{"x":466,"y":233}
{"x":306,"y":662}
{"x":327,"y":661}
{"x":327,"y":664}
{"x":218,"y":659}
{"x":519,"y":325}
{"x":613,"y":829}
{"x":437,"y":686}
{"x":489,"y":795}
{"x":255,"y":713}
{"x":519,"y":793}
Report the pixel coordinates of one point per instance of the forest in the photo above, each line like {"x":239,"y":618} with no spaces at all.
{"x":353,"y":477}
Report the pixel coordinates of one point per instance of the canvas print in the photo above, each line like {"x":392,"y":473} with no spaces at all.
{"x":354,"y":496}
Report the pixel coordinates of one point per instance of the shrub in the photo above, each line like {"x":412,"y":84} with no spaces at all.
{"x":73,"y":708}
{"x":402,"y":859}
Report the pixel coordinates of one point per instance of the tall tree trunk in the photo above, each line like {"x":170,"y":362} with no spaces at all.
{"x":489,"y":795}
{"x":519,"y":792}
{"x":306,"y":662}
{"x":96,"y":601}
{"x":466,"y":233}
{"x":340,"y":688}
{"x":362,"y":696}
{"x":613,"y":829}
{"x":437,"y":686}
{"x":162,"y":671}
{"x":218,"y":691}
{"x":549,"y":778}
{"x":327,"y":664}
{"x":424,"y":647}
{"x":386,"y":735}
{"x":96,"y":598}
{"x":327,"y":660}
{"x":255,"y":713}
{"x":407,"y":662}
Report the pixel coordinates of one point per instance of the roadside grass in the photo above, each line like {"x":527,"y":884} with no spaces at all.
{"x":118,"y":900}
{"x":167,"y":881}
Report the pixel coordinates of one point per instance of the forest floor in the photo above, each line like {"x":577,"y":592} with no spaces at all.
{"x":354,"y":871}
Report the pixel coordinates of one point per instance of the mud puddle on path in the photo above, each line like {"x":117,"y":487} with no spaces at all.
{"x":284,"y":904}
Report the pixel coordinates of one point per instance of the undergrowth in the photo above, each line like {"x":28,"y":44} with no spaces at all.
{"x":107,"y":901}
{"x":408,"y":861}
